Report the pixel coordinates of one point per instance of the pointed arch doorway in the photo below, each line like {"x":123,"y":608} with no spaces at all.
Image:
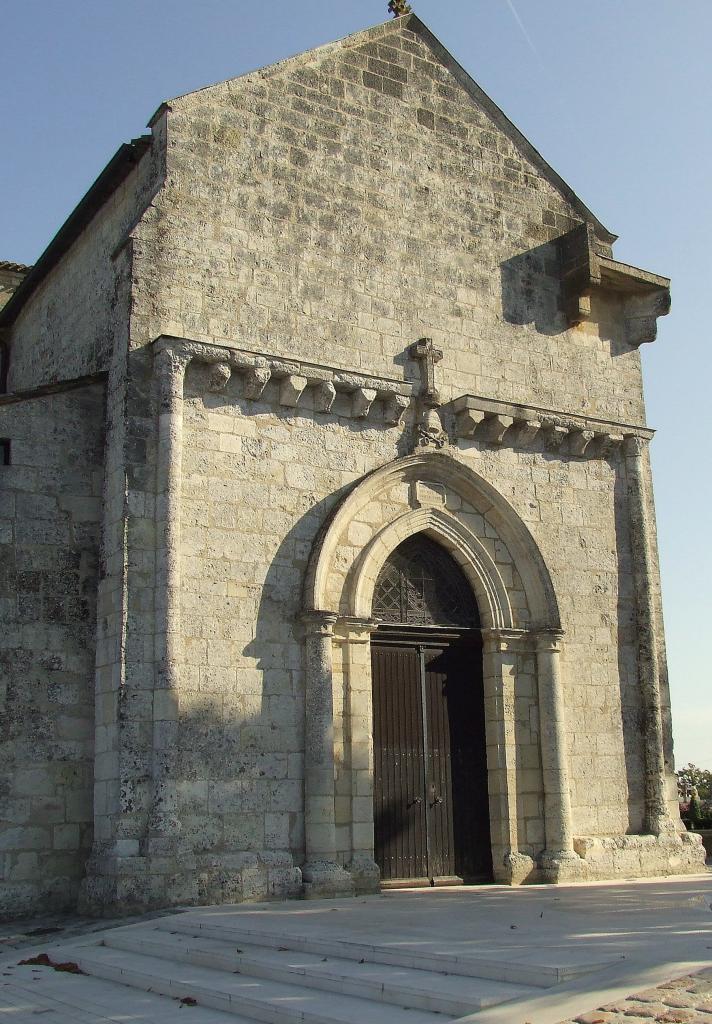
{"x":431,"y":803}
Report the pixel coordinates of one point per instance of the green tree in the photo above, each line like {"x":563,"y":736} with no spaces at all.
{"x":690,"y":776}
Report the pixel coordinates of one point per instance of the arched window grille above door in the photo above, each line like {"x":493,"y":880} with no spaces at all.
{"x":421,"y":584}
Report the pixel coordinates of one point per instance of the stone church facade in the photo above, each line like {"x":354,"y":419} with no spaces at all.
{"x":327,"y":537}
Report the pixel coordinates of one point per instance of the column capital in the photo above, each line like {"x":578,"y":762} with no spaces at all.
{"x":318,"y":623}
{"x":170,"y":362}
{"x":634,"y":445}
{"x":354,"y":628}
{"x":500,"y":639}
{"x":548,"y":640}
{"x":172,"y":352}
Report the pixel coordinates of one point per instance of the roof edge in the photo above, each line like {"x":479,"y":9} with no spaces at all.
{"x":118,"y":168}
{"x":280,"y":65}
{"x":500,"y":118}
{"x":413,"y":23}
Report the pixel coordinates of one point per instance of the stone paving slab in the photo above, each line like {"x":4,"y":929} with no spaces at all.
{"x":685,"y":1000}
{"x":659,"y":929}
{"x":29,"y":995}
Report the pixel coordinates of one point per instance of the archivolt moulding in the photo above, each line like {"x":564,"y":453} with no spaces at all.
{"x":486,"y":580}
{"x":476,"y":562}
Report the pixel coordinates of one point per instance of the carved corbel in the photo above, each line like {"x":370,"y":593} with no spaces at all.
{"x":394,"y":408}
{"x":641,"y":316}
{"x":585,"y":268}
{"x":361,"y":401}
{"x":579,"y":441}
{"x":256,"y":380}
{"x":467,"y":421}
{"x":219,"y":376}
{"x":526,"y":431}
{"x":292,"y":389}
{"x":324,"y":395}
{"x":554,"y":436}
{"x":494,"y":428}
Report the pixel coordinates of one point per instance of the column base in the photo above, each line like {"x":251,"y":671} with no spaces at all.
{"x":125,"y":879}
{"x":662,"y":825}
{"x":365,"y":873}
{"x":121,"y":881}
{"x":326,"y":880}
{"x":515,"y":868}
{"x":562,"y":866}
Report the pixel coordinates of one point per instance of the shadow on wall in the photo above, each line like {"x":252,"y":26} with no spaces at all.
{"x":531,"y":290}
{"x":241,"y":739}
{"x":632,"y":718}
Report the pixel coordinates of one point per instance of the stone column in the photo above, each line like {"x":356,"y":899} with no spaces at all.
{"x":499,"y":663}
{"x":559,"y":861}
{"x":657,"y":817}
{"x":355,"y":635}
{"x":170,"y":366}
{"x":322,"y":875}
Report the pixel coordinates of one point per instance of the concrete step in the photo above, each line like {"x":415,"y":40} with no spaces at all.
{"x":529,"y":973}
{"x":451,"y":995}
{"x":249,"y":998}
{"x":71,"y":999}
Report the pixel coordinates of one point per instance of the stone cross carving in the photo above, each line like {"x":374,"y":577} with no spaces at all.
{"x":427,"y":355}
{"x":428,"y":428}
{"x":399,"y":7}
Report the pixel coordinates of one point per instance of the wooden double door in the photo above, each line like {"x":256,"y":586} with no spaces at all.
{"x":431,"y":805}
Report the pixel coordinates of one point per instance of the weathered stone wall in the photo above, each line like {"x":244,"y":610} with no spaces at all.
{"x":335,"y":209}
{"x":70,"y":324}
{"x":356,"y":199}
{"x":577,"y":514}
{"x":50,"y":517}
{"x":273,"y":476}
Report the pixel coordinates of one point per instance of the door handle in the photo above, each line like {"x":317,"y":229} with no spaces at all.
{"x":415,"y":801}
{"x":437,"y":800}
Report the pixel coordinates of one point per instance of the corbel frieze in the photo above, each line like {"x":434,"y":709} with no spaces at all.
{"x":585,"y":269}
{"x":294,"y":379}
{"x":505,"y":424}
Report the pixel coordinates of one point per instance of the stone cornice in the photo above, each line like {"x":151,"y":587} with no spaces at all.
{"x":294,"y":378}
{"x":43,"y":390}
{"x":522,"y":426}
{"x":487,"y":420}
{"x":584,"y":270}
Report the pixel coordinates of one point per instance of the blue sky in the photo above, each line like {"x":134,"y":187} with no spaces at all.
{"x":615,"y":94}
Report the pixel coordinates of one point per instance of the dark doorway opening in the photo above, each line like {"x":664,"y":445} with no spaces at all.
{"x":431,"y":805}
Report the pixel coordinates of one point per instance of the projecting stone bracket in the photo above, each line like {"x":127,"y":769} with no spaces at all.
{"x":361,"y":402}
{"x":255,"y":381}
{"x":324,"y":396}
{"x":291,"y":389}
{"x":585,"y":270}
{"x":516,"y":426}
{"x":295,"y":380}
{"x":642,"y":314}
{"x":394,"y":408}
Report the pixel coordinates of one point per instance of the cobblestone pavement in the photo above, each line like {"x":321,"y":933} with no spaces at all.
{"x":685,"y":1000}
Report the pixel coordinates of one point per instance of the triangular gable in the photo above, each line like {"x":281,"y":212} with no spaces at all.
{"x":480,"y":98}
